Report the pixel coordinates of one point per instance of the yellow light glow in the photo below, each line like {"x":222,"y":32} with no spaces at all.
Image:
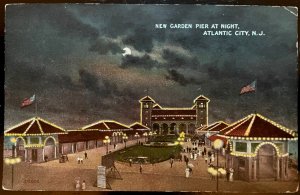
{"x":7,"y":161}
{"x":13,"y":140}
{"x":218,"y":144}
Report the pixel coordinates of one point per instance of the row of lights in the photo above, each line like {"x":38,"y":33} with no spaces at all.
{"x":261,"y":138}
{"x":174,"y":115}
{"x":256,"y":151}
{"x":31,"y":134}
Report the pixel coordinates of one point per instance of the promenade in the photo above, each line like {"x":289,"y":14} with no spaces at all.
{"x":55,"y":176}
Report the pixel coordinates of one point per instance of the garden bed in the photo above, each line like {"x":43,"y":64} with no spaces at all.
{"x":150,"y":154}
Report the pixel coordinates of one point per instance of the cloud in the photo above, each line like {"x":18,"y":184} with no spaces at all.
{"x":144,"y":61}
{"x":176,"y":76}
{"x":104,"y":46}
{"x":175,"y":59}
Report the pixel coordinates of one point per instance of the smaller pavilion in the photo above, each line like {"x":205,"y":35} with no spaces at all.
{"x":36,"y":139}
{"x":258,"y":148}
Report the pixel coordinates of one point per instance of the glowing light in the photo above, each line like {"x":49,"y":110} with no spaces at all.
{"x":13,"y":140}
{"x":7,"y":161}
{"x":218,"y":144}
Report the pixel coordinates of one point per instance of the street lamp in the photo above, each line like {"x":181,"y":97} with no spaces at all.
{"x":150,"y":135}
{"x":137,"y":136}
{"x":180,"y":140}
{"x":106,"y":141}
{"x":218,"y":144}
{"x":125,"y":137}
{"x":145,"y":135}
{"x":12,"y":161}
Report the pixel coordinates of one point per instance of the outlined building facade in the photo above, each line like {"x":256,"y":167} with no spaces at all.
{"x":174,"y":120}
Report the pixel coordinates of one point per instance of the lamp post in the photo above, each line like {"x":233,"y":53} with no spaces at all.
{"x":218,"y":144}
{"x":145,"y":135}
{"x":12,"y":161}
{"x":150,"y":135}
{"x":106,"y":141}
{"x":125,"y":137}
{"x":137,"y":136}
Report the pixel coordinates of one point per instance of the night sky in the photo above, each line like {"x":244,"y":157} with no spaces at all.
{"x":70,"y":56}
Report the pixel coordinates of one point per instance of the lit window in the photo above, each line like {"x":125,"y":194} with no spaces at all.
{"x":241,"y":147}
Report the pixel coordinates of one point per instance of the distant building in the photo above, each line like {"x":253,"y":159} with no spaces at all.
{"x":206,"y":132}
{"x":174,"y":120}
{"x":38,"y":140}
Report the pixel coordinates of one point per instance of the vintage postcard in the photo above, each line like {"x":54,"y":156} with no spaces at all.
{"x":197,"y":98}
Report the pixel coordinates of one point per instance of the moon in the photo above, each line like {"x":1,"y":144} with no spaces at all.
{"x":127,"y":51}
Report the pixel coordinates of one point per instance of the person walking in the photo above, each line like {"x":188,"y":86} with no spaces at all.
{"x":141,"y":168}
{"x":85,"y":155}
{"x":187,"y":172}
{"x":231,"y":174}
{"x":212,"y":158}
{"x":171,"y":161}
{"x":204,"y":151}
{"x":114,"y":146}
{"x":130,"y":162}
{"x":227,"y":174}
{"x":77,"y":186}
{"x":83,"y":187}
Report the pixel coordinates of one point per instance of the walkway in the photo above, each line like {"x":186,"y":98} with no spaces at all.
{"x":55,"y":176}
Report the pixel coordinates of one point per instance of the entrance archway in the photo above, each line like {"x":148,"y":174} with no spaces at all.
{"x":49,"y":148}
{"x":173,"y":128}
{"x":182,"y":128}
{"x":155,"y":127}
{"x":20,"y":148}
{"x":191,"y":128}
{"x":266,"y":162}
{"x":164,"y":129}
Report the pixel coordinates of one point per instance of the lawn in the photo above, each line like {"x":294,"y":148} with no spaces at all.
{"x":153,"y":154}
{"x":164,"y":138}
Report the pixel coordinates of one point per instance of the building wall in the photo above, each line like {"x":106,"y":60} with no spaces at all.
{"x":66,"y":148}
{"x":80,"y":146}
{"x":91,"y":144}
{"x":39,"y":155}
{"x":248,"y":168}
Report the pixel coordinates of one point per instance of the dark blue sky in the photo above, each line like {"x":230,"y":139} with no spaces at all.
{"x":70,"y":56}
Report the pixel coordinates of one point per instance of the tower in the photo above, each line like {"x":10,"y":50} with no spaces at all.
{"x":146,"y":110}
{"x":201,"y":106}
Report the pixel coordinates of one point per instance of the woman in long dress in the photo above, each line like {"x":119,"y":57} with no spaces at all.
{"x":187,"y":172}
{"x":231,"y":174}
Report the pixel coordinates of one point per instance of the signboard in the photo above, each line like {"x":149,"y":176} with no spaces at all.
{"x":101,"y":177}
{"x":108,"y":160}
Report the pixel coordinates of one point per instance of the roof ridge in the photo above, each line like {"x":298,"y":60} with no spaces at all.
{"x":287,"y":130}
{"x":242,"y":122}
{"x":138,"y":123}
{"x":232,"y":124}
{"x":20,"y":124}
{"x":49,"y":123}
{"x":106,"y":125}
{"x":40,"y":127}
{"x":28,"y":127}
{"x":247,"y":132}
{"x":147,"y":96}
{"x":201,"y":96}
